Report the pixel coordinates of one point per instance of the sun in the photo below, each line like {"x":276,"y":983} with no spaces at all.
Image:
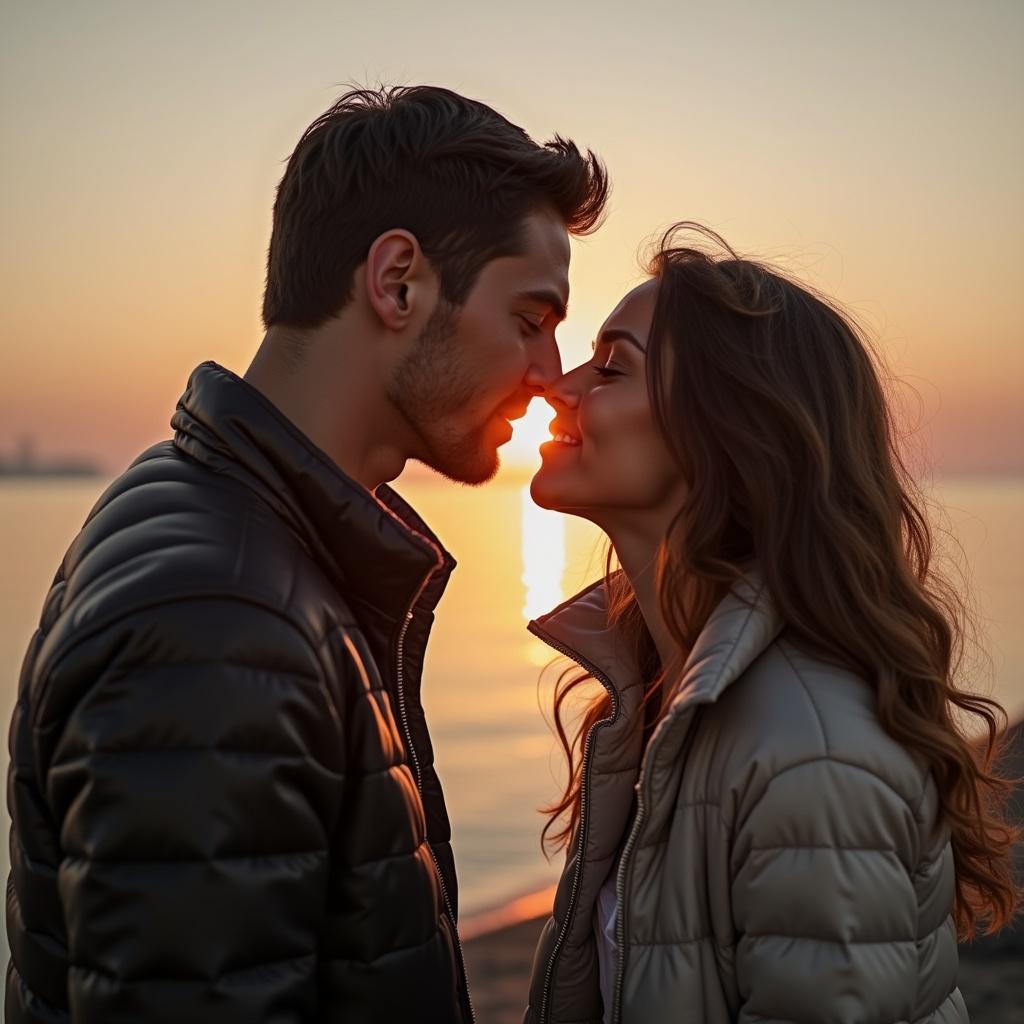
{"x":528,"y":435}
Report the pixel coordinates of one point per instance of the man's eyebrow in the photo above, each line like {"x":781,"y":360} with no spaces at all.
{"x":546,"y":297}
{"x":618,"y":334}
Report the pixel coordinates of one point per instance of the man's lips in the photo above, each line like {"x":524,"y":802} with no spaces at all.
{"x":516,"y":412}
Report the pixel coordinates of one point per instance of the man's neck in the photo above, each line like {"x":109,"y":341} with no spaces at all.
{"x":332,"y":393}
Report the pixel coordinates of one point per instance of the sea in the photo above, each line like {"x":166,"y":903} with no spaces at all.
{"x":487,"y":682}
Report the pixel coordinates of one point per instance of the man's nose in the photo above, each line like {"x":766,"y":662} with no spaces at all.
{"x":545,"y":369}
{"x":563,"y":393}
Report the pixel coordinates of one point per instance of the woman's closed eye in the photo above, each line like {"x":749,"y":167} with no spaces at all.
{"x":531,"y":325}
{"x":607,"y":371}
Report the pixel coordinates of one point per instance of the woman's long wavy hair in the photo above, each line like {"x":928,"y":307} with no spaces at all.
{"x":768,"y":395}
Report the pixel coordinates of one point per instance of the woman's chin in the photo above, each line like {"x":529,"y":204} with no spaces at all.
{"x":548,"y":491}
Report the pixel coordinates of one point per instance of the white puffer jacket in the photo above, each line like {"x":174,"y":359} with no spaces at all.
{"x":786,"y":861}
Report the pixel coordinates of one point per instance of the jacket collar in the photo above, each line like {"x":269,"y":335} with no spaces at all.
{"x":378,"y":550}
{"x":741,"y":627}
{"x":579,"y":629}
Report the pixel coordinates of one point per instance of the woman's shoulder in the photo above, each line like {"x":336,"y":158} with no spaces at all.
{"x":792,"y":708}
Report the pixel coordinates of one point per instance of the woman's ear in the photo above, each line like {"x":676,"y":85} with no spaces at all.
{"x":398,"y":278}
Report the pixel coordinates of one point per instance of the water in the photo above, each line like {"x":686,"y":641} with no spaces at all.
{"x":494,"y":750}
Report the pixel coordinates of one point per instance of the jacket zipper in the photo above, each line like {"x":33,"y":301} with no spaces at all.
{"x":620,"y":887}
{"x":584,"y":807}
{"x":620,"y":901}
{"x":400,"y":680}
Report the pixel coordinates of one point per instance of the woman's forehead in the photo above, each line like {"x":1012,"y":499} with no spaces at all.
{"x":635,"y":310}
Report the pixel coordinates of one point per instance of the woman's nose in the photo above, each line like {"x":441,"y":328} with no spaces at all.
{"x":564,"y":392}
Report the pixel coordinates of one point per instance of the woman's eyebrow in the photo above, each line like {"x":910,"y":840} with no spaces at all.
{"x":618,"y":334}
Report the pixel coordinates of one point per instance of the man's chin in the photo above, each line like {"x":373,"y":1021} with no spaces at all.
{"x":474,"y":469}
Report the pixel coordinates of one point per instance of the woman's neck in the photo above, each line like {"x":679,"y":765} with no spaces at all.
{"x":638,"y":556}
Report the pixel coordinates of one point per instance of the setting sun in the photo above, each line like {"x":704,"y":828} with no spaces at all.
{"x":528,"y":435}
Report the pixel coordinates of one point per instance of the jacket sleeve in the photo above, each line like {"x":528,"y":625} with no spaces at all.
{"x":823,"y":898}
{"x":195,"y":785}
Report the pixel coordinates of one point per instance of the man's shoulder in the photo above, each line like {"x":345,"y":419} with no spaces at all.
{"x":170,"y":531}
{"x":177,"y":566}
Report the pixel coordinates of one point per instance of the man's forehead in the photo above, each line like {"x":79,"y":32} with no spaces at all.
{"x":545,"y":237}
{"x":546,"y":246}
{"x":546,"y":233}
{"x":541,"y":267}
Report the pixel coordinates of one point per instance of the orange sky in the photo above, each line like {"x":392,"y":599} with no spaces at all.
{"x":874,"y":148}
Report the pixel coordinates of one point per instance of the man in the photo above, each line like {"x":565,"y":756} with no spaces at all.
{"x":222,"y":787}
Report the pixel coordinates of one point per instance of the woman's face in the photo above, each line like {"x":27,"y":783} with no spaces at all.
{"x":607,"y":460}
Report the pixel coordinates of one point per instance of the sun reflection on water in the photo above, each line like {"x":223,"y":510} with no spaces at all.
{"x":543,"y":557}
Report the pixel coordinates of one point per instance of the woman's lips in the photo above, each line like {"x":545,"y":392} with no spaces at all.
{"x":562,"y":435}
{"x":560,"y":443}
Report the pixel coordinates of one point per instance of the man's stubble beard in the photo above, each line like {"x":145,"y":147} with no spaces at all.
{"x":428,"y":387}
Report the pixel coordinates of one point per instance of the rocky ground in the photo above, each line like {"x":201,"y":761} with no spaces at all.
{"x":499,"y":969}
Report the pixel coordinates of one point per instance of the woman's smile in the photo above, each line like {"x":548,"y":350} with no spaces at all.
{"x":563,"y":437}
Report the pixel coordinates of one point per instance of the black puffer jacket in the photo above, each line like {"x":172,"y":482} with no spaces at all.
{"x":222,"y":787}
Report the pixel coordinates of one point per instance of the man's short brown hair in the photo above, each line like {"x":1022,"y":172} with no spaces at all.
{"x":450,"y":170}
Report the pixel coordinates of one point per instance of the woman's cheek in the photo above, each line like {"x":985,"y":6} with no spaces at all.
{"x":597,"y":418}
{"x":638,"y":448}
{"x":603,"y":422}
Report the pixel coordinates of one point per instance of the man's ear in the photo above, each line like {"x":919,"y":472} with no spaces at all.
{"x":398,"y":278}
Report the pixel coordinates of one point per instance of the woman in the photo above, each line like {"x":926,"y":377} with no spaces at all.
{"x":773,"y":812}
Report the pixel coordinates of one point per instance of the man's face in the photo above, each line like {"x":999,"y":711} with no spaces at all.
{"x":475,"y":368}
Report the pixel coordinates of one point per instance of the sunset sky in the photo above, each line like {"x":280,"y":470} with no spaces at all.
{"x":877,"y":149}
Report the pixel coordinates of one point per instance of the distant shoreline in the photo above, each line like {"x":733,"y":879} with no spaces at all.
{"x":509,"y":474}
{"x":60,"y":474}
{"x":508,"y":915}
